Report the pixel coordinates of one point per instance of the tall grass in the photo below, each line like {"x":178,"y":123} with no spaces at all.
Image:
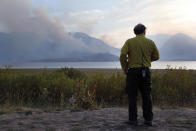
{"x":109,"y":88}
{"x":175,"y":87}
{"x":43,"y":88}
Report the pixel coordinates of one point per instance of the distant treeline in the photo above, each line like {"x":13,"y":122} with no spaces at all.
{"x":71,"y":87}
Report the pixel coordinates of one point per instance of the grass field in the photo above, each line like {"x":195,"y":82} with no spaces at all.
{"x":89,"y":88}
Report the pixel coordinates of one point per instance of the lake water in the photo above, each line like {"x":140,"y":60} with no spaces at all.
{"x":155,"y":65}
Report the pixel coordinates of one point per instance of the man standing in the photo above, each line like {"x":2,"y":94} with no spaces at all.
{"x":136,"y":57}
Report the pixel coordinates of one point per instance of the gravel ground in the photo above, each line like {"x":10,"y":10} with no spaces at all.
{"x":105,"y":119}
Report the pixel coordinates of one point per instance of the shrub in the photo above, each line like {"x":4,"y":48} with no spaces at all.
{"x":84,"y":97}
{"x":72,"y":73}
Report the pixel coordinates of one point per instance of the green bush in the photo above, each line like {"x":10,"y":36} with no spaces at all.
{"x":72,"y":73}
{"x":84,"y":97}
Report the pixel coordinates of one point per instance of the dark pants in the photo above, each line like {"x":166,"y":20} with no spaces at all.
{"x":134,"y":82}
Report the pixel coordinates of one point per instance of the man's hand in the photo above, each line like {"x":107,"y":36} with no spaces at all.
{"x":125,"y":71}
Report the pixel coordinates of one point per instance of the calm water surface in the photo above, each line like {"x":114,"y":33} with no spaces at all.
{"x":155,"y":65}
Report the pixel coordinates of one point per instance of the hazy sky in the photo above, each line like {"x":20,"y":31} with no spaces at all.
{"x":113,"y":20}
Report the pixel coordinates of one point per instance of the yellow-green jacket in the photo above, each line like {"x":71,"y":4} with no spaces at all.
{"x":137,"y":51}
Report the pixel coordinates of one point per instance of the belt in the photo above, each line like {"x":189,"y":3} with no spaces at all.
{"x":138,"y":68}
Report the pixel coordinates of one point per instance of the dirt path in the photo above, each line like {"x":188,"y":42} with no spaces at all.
{"x":97,"y":120}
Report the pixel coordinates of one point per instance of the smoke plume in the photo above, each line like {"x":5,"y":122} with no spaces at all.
{"x":32,"y":34}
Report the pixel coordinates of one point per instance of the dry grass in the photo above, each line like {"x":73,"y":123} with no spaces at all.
{"x":90,"y":87}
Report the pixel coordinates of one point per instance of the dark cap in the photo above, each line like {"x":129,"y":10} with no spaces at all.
{"x":139,"y":29}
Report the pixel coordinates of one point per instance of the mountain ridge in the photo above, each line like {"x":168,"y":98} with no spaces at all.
{"x":24,"y":46}
{"x":91,"y":42}
{"x":179,"y":47}
{"x":19,"y":47}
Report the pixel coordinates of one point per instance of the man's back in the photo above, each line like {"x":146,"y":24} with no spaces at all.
{"x":140,"y":51}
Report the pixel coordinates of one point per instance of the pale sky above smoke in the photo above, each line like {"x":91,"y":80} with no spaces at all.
{"x":114,"y":20}
{"x":110,"y":20}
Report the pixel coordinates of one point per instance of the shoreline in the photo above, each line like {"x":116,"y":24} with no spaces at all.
{"x":91,"y":69}
{"x":87,"y":70}
{"x":158,"y":65}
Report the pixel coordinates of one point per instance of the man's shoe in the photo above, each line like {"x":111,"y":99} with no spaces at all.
{"x":134,"y":123}
{"x":148,"y":123}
